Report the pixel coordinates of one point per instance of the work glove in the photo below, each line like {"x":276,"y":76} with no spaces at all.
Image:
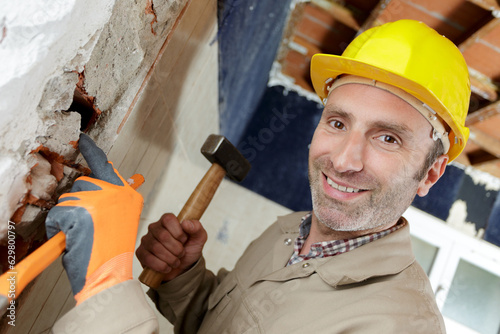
{"x":100,"y":217}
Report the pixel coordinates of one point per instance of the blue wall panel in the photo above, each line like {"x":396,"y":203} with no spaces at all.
{"x":442,"y":195}
{"x":479,"y":201}
{"x":249,"y":35}
{"x":276,"y":142}
{"x":493,"y":229}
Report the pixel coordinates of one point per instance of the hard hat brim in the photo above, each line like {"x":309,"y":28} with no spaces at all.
{"x":325,"y":66}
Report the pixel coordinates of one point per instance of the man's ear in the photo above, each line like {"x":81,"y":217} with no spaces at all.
{"x":433,"y":174}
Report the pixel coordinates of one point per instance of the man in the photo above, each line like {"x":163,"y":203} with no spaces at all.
{"x":395,"y":106}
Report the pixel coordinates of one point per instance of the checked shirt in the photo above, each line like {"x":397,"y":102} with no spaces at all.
{"x":333,"y":247}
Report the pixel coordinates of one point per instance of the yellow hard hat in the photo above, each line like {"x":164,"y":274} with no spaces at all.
{"x":413,"y":57}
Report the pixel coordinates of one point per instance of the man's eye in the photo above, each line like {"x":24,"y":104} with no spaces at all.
{"x":388,"y":139}
{"x":337,"y":125}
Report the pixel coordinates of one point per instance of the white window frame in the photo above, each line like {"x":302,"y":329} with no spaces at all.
{"x":453,"y":246}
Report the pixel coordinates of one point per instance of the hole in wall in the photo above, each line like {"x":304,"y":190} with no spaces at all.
{"x":85,"y":105}
{"x":84,"y":108}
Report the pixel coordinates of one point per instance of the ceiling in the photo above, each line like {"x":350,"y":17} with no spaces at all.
{"x":473,"y":25}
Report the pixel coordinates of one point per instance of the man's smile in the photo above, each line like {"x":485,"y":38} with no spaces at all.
{"x":341,"y":188}
{"x":337,"y":190}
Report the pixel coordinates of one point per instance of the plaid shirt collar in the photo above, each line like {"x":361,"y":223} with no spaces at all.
{"x":333,"y":247}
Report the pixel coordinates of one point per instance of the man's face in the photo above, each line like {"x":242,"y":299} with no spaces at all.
{"x":364,"y":156}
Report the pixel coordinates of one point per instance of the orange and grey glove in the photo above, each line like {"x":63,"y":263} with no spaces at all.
{"x":100,"y":217}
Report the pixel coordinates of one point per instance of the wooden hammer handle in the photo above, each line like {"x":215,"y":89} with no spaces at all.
{"x":193,"y":209}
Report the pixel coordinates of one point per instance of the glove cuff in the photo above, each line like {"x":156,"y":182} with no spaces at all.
{"x":114,"y":271}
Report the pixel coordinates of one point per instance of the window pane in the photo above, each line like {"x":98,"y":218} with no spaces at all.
{"x":474,"y":299}
{"x":425,"y":253}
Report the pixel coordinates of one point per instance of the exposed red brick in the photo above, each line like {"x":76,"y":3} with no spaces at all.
{"x":36,"y":235}
{"x":363,"y":5}
{"x":483,"y":59}
{"x":491,"y":127}
{"x":29,"y":179}
{"x":57,"y":169}
{"x":332,"y":39}
{"x":311,"y":48}
{"x":397,"y":10}
{"x":53,"y":157}
{"x":18,"y":214}
{"x":318,"y":13}
{"x":82,"y":97}
{"x":460,"y":14}
{"x":84,"y":170}
{"x":480,"y":157}
{"x":33,"y":200}
{"x":493,"y":37}
{"x":74,"y":143}
{"x":150,"y":10}
{"x":296,"y":65}
{"x":49,"y":155}
{"x":81,"y":88}
{"x":463,"y":13}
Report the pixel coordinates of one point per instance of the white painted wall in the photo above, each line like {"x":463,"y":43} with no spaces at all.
{"x":159,"y":101}
{"x":39,"y":41}
{"x":44,"y":44}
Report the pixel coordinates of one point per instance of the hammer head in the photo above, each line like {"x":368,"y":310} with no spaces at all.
{"x":217,"y":149}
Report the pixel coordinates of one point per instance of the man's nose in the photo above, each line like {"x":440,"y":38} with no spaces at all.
{"x":348,"y":157}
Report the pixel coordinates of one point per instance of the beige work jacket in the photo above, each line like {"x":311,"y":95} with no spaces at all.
{"x":376,"y":288}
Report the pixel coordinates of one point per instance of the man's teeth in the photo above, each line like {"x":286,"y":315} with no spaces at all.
{"x":341,"y":188}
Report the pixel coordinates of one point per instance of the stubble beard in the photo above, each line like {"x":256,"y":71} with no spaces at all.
{"x":380,"y":208}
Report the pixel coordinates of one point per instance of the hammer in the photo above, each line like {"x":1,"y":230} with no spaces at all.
{"x":225,"y":159}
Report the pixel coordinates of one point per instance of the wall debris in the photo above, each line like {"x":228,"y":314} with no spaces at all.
{"x":49,"y":64}
{"x":488,"y":181}
{"x":457,"y":218}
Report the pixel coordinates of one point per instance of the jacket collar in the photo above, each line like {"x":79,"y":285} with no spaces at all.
{"x":386,"y":256}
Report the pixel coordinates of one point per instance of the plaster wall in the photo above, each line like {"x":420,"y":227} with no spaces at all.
{"x":147,"y":67}
{"x":46,"y":48}
{"x":150,"y":71}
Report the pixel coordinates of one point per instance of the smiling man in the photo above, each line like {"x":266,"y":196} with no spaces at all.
{"x":368,"y":159}
{"x":395,"y":107}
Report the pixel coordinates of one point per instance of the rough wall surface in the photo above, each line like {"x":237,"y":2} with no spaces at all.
{"x":128,"y":45}
{"x":39,"y":48}
{"x":149,"y":73}
{"x":48,"y":47}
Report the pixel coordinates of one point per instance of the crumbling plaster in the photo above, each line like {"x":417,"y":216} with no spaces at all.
{"x":44,"y":45}
{"x":127,"y":47}
{"x":41,"y":40}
